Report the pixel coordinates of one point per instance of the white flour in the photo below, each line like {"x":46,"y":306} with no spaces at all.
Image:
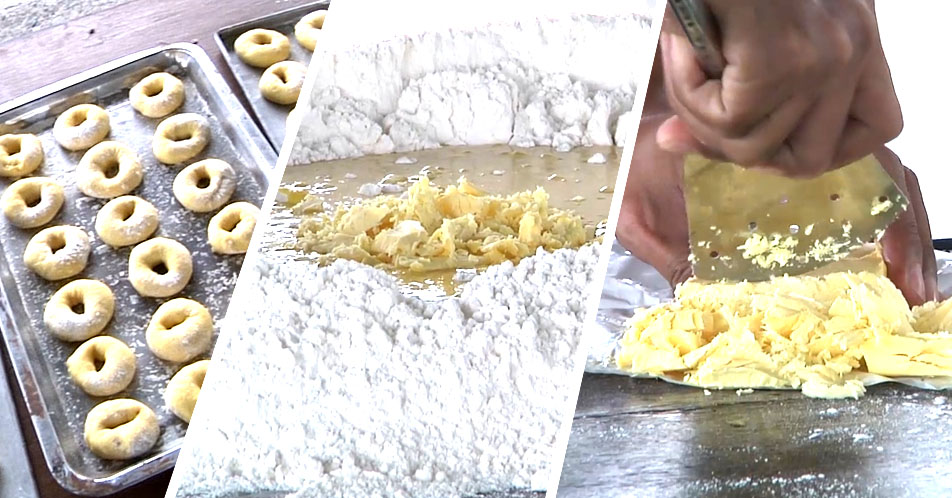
{"x":563,"y":82}
{"x":336,"y":384}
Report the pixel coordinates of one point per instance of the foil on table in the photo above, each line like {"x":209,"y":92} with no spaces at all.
{"x":631,"y":284}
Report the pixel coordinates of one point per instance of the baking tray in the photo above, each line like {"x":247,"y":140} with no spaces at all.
{"x":57,"y":407}
{"x":272,"y":117}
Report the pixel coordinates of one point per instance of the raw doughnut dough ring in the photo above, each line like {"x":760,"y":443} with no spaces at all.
{"x":58,"y":252}
{"x":32,"y":202}
{"x":308,"y":29}
{"x":229,"y":231}
{"x":180,"y":330}
{"x":109,"y":169}
{"x":184,"y":388}
{"x":81,"y":127}
{"x":157,"y":95}
{"x":126,"y":220}
{"x":102,"y":366}
{"x":180,"y":138}
{"x":262,"y":47}
{"x":281,"y":83}
{"x":159,"y":267}
{"x":66,"y":324}
{"x":19,"y":155}
{"x":119,"y":429}
{"x":205,"y":186}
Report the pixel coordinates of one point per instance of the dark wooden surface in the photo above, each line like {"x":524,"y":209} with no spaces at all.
{"x":47,"y":56}
{"x":645,"y":438}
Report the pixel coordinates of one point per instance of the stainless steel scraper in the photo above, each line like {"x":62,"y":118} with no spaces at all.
{"x":748,"y":224}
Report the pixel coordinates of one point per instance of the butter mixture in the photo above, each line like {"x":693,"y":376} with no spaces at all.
{"x":430,"y":228}
{"x":816,"y":333}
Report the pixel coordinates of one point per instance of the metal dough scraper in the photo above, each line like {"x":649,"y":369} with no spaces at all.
{"x":750,"y":225}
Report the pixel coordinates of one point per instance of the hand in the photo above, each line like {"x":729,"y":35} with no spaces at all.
{"x":806,"y":87}
{"x":907,"y":243}
{"x":653,"y":221}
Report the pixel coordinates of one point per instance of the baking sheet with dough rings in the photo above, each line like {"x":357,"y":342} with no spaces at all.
{"x":631,"y":284}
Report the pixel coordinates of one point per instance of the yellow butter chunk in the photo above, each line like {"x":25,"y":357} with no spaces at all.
{"x":807,"y":332}
{"x":435,"y":229}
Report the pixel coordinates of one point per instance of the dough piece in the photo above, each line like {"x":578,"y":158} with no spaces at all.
{"x":229,"y":231}
{"x":180,"y":330}
{"x":126,"y":220}
{"x":205,"y":186}
{"x":19,"y":155}
{"x":262,"y":47}
{"x":180,"y":138}
{"x":157,"y":95}
{"x":79,"y":310}
{"x":58,"y":252}
{"x":81,"y":127}
{"x":281,"y":83}
{"x":107,"y":170}
{"x":102,"y":366}
{"x":159,"y":267}
{"x":32,"y":202}
{"x":184,"y":388}
{"x":308,"y":29}
{"x":120,"y":429}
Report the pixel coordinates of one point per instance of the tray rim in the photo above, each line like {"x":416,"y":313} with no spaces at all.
{"x":26,"y":379}
{"x":231,"y":60}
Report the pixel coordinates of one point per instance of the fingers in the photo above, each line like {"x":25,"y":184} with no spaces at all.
{"x":803,"y":92}
{"x":929,"y":271}
{"x":902,"y":243}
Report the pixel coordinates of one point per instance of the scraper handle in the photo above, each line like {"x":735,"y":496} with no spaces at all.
{"x":699,"y":26}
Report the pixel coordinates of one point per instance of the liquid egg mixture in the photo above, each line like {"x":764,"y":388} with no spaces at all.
{"x":435,"y":218}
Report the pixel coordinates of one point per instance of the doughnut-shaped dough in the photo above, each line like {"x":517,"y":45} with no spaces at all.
{"x":157,"y":95}
{"x":79,"y":310}
{"x":102,"y":366}
{"x":229,"y":231}
{"x":32,"y":202}
{"x":180,"y":330}
{"x":58,"y":252}
{"x":159,"y":267}
{"x":262,"y":47}
{"x":182,"y":391}
{"x":126,"y":220}
{"x":120,"y":429}
{"x":205,"y":186}
{"x":109,"y":169}
{"x":180,"y":138}
{"x":281,"y":83}
{"x":81,"y":127}
{"x":19,"y":155}
{"x":308,"y":29}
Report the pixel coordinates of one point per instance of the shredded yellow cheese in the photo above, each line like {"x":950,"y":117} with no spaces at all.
{"x":436,"y":229}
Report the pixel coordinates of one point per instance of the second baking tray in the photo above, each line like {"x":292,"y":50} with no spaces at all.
{"x":58,"y":407}
{"x":273,"y":117}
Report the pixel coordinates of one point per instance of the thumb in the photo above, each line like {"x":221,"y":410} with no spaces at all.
{"x":675,"y":137}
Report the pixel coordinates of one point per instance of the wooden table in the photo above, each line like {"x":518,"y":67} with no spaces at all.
{"x":641,"y":437}
{"x":47,"y":56}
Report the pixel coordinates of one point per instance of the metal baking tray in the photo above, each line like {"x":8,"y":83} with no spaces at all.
{"x":57,"y":406}
{"x":272,"y":117}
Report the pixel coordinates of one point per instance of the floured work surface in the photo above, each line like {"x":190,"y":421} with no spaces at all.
{"x":649,"y":438}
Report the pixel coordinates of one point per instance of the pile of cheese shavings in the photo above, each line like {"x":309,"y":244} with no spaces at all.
{"x":813,"y":333}
{"x":437,"y":229}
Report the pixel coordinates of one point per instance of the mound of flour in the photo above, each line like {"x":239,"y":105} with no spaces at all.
{"x":563,"y":82}
{"x":336,"y":384}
